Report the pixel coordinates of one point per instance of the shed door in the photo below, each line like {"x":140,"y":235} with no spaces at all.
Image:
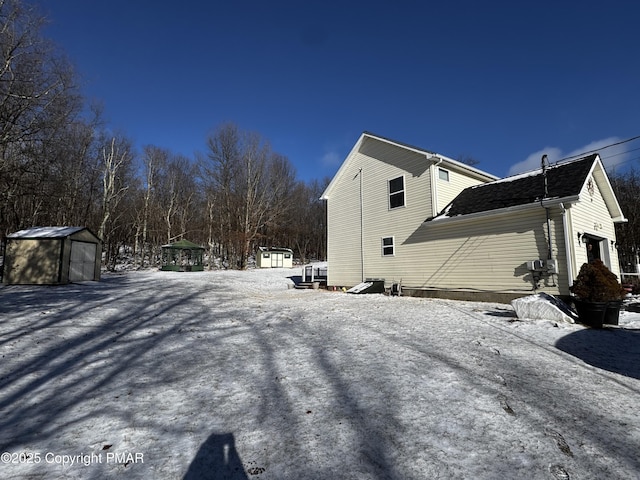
{"x":83,"y":261}
{"x":277,"y":260}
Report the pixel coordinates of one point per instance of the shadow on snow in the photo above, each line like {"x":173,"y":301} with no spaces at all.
{"x":612,"y":349}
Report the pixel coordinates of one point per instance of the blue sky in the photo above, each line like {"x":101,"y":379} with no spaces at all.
{"x":502,"y":82}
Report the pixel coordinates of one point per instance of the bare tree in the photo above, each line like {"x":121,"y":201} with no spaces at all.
{"x":218,"y":171}
{"x":627,"y":189}
{"x":467,"y":159}
{"x":154,"y":162}
{"x":117,"y":164}
{"x":249,"y":186}
{"x":38,"y":99}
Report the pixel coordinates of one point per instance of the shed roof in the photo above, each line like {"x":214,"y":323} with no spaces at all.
{"x":563,"y":180}
{"x":275,"y":249}
{"x":46,"y":232}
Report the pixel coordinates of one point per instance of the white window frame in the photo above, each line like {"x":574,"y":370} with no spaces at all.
{"x":403,"y":192}
{"x":447,"y":175}
{"x":392,"y":246}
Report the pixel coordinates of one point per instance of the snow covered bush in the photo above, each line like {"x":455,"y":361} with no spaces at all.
{"x":596,"y":283}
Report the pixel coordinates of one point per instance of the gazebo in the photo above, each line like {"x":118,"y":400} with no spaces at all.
{"x":182,"y":256}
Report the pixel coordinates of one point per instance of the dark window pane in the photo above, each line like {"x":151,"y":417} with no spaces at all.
{"x":396,"y":200}
{"x":396,"y":185}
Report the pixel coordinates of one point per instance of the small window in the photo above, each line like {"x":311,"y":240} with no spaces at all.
{"x":443,"y":174}
{"x":265,"y":255}
{"x":287,"y":255}
{"x":388,"y":248}
{"x":396,"y":192}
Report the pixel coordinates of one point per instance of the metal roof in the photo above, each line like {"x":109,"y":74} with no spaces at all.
{"x":46,"y":232}
{"x":275,"y":249}
{"x":183,"y":244}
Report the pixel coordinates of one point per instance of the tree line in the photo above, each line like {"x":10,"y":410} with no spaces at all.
{"x":62,"y":166}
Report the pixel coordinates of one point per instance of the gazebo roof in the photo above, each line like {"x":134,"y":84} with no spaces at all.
{"x":183,"y":245}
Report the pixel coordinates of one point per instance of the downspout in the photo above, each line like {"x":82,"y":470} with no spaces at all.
{"x":567,"y":244}
{"x":546,"y":195}
{"x":544,"y":163}
{"x":361,"y":229}
{"x":434,"y":186}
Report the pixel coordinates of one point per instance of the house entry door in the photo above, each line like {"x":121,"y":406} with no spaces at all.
{"x":593,"y":249}
{"x":277,"y":260}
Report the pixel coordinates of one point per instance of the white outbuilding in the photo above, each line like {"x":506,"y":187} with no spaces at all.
{"x":274,"y":257}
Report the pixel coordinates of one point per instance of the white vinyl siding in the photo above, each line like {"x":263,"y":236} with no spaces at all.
{"x":446,"y":190}
{"x":370,"y":166}
{"x":344,"y":240}
{"x":485,"y":254}
{"x":592,"y":217}
{"x":343,"y":231}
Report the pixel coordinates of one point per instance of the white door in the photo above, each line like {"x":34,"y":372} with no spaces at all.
{"x":83,"y":260}
{"x":277,"y":260}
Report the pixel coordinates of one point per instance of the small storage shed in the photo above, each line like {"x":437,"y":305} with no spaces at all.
{"x":52,"y":255}
{"x":274,"y":257}
{"x":182,"y":256}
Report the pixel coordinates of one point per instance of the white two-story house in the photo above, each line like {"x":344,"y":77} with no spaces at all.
{"x":439,"y":227}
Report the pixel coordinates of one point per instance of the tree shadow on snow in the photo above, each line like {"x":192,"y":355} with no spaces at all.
{"x":615,"y":350}
{"x":88,"y":341}
{"x":217,"y":459}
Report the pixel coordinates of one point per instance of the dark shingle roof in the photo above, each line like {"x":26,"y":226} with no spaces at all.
{"x":563,"y":180}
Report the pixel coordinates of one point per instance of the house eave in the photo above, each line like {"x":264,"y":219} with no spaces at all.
{"x":544,"y":203}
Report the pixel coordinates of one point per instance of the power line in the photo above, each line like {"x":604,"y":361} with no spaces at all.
{"x":621,"y":163}
{"x":621,"y":153}
{"x":598,"y":149}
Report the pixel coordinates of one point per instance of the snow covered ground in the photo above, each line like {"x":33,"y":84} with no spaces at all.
{"x":226,"y":374}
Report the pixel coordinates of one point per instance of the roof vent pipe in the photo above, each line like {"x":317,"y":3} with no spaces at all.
{"x":544,"y":163}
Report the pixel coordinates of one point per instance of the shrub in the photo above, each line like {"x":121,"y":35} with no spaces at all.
{"x":596,"y":283}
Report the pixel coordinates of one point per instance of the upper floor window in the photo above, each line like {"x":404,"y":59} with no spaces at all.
{"x":443,"y":174}
{"x":396,"y":192}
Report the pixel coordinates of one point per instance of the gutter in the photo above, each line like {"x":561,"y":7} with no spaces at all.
{"x":547,"y":202}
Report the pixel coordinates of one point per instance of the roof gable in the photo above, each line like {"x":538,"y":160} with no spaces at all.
{"x":429,"y":158}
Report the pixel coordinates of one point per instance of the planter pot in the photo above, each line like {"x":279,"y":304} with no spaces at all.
{"x":612,"y":315}
{"x":591,"y":313}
